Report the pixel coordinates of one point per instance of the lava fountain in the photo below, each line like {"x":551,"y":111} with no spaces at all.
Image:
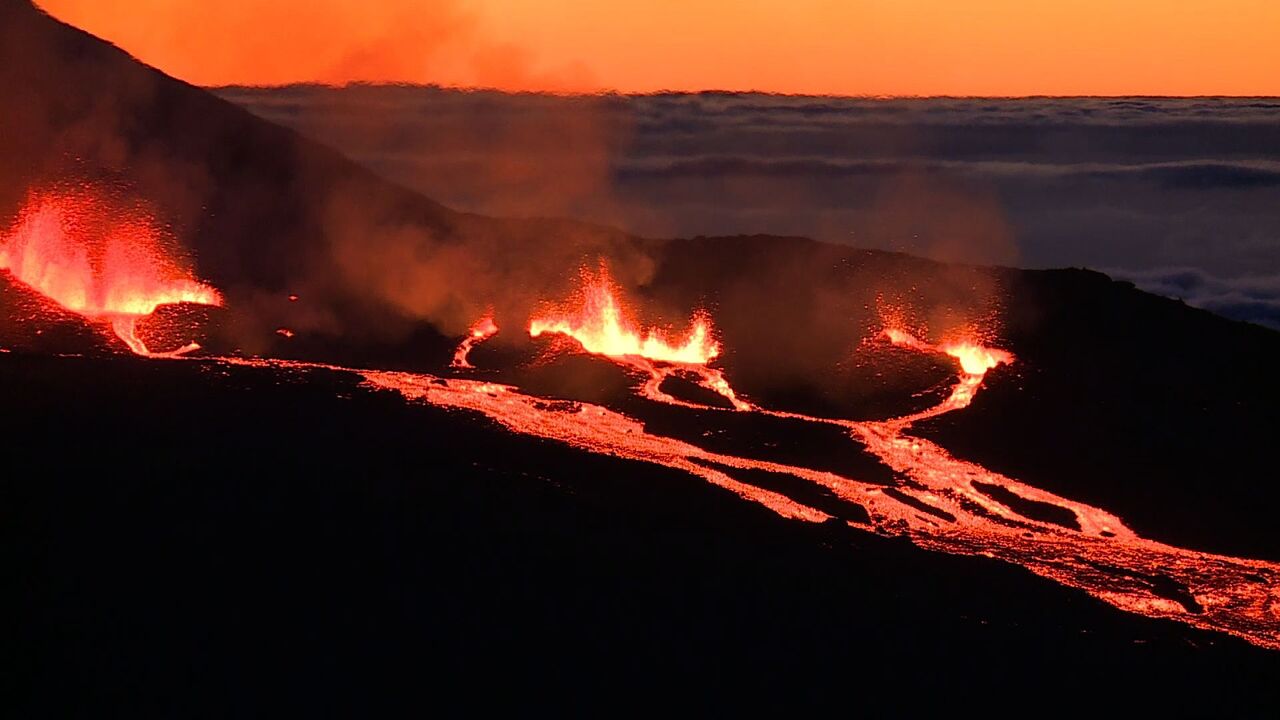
{"x":601,"y":325}
{"x":938,"y":502}
{"x":78,"y":252}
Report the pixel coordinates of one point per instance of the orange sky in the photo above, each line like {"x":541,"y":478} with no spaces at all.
{"x":855,"y":47}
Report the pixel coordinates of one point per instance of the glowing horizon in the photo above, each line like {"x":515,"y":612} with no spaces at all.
{"x":987,"y":48}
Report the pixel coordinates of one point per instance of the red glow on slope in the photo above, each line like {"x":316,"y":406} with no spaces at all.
{"x":974,"y":360}
{"x":603,"y":327}
{"x":74,"y":250}
{"x":482,"y":330}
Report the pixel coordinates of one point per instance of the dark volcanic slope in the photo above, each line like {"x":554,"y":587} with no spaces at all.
{"x":266,"y":211}
{"x":195,"y":540}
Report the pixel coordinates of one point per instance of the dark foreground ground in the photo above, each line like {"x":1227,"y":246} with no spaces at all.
{"x":190,"y":540}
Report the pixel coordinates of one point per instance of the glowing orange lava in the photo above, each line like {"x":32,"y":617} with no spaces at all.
{"x":943,"y":505}
{"x":482,"y":330}
{"x":974,"y":360}
{"x":940,"y":503}
{"x":72,"y":249}
{"x":601,"y":326}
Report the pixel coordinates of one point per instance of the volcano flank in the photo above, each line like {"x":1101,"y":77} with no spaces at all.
{"x":284,"y":434}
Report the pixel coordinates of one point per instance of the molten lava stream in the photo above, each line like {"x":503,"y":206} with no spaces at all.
{"x":1101,"y":555}
{"x":1103,"y":558}
{"x":601,"y":326}
{"x":75,"y":251}
{"x":482,"y":330}
{"x":974,"y":361}
{"x":126,"y":328}
{"x":124,"y":275}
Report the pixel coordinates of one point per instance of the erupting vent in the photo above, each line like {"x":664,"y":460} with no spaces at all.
{"x":64,"y":247}
{"x":974,"y":360}
{"x":98,"y":262}
{"x":602,"y":326}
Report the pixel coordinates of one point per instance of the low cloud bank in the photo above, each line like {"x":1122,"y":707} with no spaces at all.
{"x":1255,"y":298}
{"x":1136,"y":183}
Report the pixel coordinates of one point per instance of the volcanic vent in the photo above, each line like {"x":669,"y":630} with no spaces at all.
{"x":112,"y":271}
{"x":107,"y":264}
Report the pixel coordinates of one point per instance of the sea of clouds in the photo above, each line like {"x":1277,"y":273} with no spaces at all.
{"x":1180,"y":196}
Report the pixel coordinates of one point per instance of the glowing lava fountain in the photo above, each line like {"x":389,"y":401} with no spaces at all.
{"x":601,"y":326}
{"x":74,"y":250}
{"x":938,"y":502}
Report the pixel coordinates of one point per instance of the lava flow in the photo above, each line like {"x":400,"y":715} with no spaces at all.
{"x":482,"y":330}
{"x":71,"y":249}
{"x":938,"y":502}
{"x":601,"y":326}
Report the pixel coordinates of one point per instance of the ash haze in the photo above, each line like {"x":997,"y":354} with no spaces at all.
{"x":1181,"y":196}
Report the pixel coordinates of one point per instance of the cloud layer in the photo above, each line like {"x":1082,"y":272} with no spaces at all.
{"x":1254,"y":298}
{"x":1136,"y":185}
